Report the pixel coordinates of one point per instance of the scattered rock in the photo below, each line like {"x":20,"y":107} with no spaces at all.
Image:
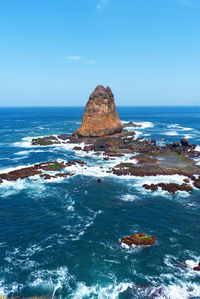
{"x":74,"y":162}
{"x":158,"y":163}
{"x":186,"y":181}
{"x":46,"y":176}
{"x":152,"y":187}
{"x":38,"y":169}
{"x":197,"y":268}
{"x":44,"y":141}
{"x":169,"y":187}
{"x":131,"y":124}
{"x":138,"y":239}
{"x":197,"y":183}
{"x":184,"y":142}
{"x":77,"y":148}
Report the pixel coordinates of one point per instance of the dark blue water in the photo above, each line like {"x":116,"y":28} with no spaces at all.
{"x":60,"y":237}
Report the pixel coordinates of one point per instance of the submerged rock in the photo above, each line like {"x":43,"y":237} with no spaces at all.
{"x":158,"y":163}
{"x":169,"y":187}
{"x":132,"y":125}
{"x":37,"y":169}
{"x":138,"y":239}
{"x":196,"y":182}
{"x":197,"y":268}
{"x":100,"y":117}
{"x":184,"y":142}
{"x":44,"y":141}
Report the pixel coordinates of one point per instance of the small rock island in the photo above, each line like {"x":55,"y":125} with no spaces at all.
{"x":100,"y":117}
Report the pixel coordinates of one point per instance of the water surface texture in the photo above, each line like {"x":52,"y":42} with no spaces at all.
{"x":61,"y":236}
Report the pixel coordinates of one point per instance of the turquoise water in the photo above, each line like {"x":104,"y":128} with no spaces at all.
{"x":61,"y":237}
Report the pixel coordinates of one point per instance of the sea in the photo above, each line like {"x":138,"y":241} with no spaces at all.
{"x":59,"y":237}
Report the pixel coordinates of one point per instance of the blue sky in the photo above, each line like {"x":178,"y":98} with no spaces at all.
{"x":55,"y":52}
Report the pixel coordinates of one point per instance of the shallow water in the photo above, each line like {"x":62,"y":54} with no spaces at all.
{"x":61,"y":237}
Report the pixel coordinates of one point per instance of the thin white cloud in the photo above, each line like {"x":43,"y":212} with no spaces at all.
{"x":75,"y":57}
{"x":101,"y":3}
{"x":191,"y":3}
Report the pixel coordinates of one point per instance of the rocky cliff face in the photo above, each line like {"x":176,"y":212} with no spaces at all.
{"x":100,"y":117}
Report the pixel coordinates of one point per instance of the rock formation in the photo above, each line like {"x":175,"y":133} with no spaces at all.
{"x":100,"y":117}
{"x":197,"y":268}
{"x":138,"y":239}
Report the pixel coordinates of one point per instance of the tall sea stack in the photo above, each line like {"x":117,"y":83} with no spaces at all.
{"x":100,"y":117}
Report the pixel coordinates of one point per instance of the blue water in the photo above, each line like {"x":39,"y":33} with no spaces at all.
{"x":60,"y":237}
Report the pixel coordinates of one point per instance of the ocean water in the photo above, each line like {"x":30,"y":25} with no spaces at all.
{"x":60,"y":237}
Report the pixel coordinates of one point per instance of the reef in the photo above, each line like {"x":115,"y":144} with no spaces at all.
{"x":170,"y":187}
{"x":102,"y":133}
{"x":41,"y":169}
{"x":158,"y":163}
{"x":138,"y":239}
{"x":196,"y":181}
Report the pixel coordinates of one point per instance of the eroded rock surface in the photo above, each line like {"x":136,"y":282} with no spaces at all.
{"x":158,"y":163}
{"x":138,"y":239}
{"x":100,"y":117}
{"x":41,"y":169}
{"x":169,"y":187}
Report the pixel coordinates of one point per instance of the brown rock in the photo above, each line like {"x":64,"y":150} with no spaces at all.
{"x":184,"y":142}
{"x":46,"y":176}
{"x":77,"y":148}
{"x":100,"y":117}
{"x":138,"y":239}
{"x":152,"y":187}
{"x":170,"y":187}
{"x":186,"y":181}
{"x":197,"y":268}
{"x":197,"y":183}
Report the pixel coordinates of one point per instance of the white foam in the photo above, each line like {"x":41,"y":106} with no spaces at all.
{"x":173,"y":126}
{"x":8,"y":188}
{"x":187,"y":129}
{"x":181,"y":290}
{"x":50,"y":279}
{"x":177,"y":126}
{"x":22,"y":153}
{"x":26,"y":153}
{"x":25,"y":142}
{"x":128,"y":197}
{"x":137,"y":134}
{"x":111,"y":291}
{"x":197,"y":148}
{"x":171,"y":133}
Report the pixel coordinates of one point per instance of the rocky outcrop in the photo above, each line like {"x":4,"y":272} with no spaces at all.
{"x":138,"y":239}
{"x":38,"y":169}
{"x":131,"y":124}
{"x":100,"y":117}
{"x":197,"y":268}
{"x":159,"y":163}
{"x":169,"y":187}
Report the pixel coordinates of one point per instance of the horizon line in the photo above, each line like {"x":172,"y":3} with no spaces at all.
{"x":77,"y":106}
